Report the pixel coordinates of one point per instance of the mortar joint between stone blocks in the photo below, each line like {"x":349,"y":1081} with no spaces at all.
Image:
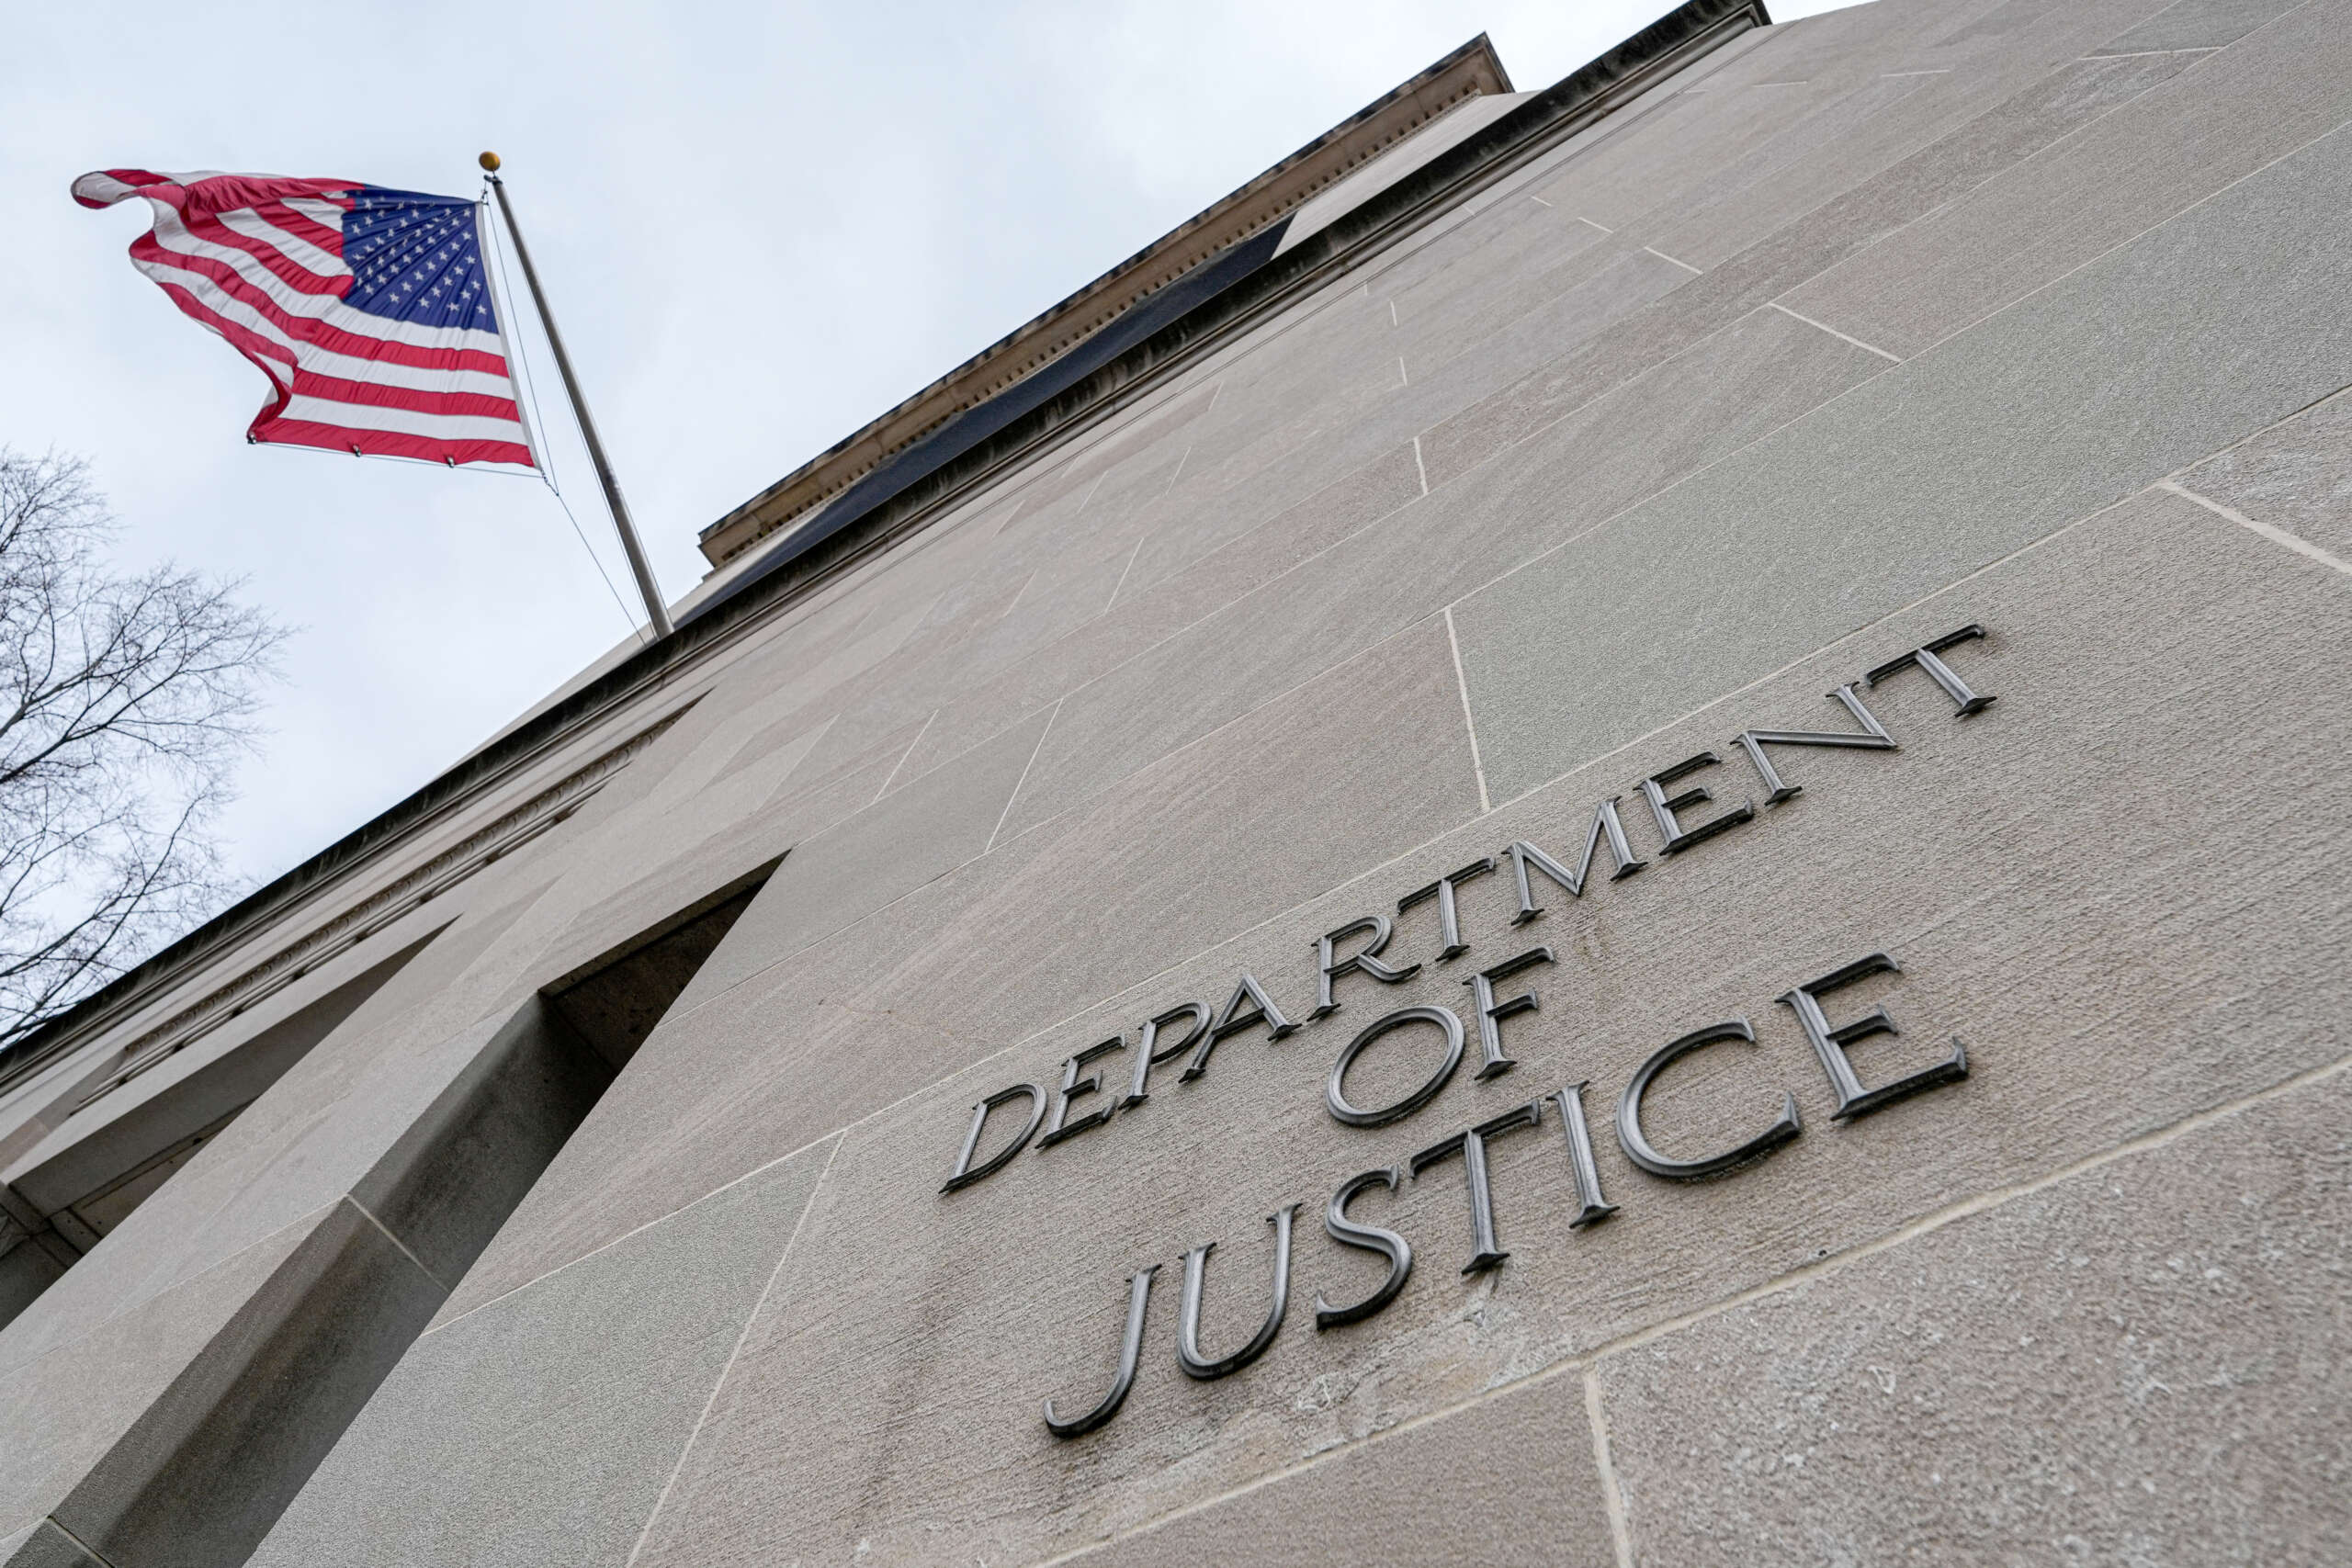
{"x":1612,"y":1499}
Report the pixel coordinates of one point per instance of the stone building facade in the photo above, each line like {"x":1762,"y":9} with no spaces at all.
{"x":1610,"y":828}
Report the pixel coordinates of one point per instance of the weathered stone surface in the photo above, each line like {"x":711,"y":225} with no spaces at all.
{"x":1509,"y":1480}
{"x":1755,"y":377}
{"x":896,"y":844}
{"x":444,"y":1186}
{"x":1694,"y":411}
{"x":559,"y":1410}
{"x":2144,"y":1362}
{"x":2297,"y":476}
{"x":65,"y":1405}
{"x":1935,"y":470}
{"x":231,"y":1368}
{"x":2219,"y":121}
{"x":312,"y":1139}
{"x":27,"y":1269}
{"x":206,"y":1467}
{"x":1501,"y":244}
{"x":172,"y":1432}
{"x":191,"y":1091}
{"x":1349,"y":769}
{"x":45,"y":1546}
{"x":1177,"y":579}
{"x":1689,"y":137}
{"x":1749,"y":195}
{"x":1515,"y":327}
{"x":866,"y":1351}
{"x":2022,"y":102}
{"x":2197,"y":24}
{"x":610,"y":898}
{"x":671,"y":1132}
{"x":1314,"y":377}
{"x":1906,"y":114}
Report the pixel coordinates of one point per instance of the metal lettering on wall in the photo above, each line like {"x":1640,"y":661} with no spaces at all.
{"x":1685,"y":815}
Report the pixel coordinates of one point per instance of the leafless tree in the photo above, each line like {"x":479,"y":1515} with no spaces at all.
{"x":125,"y":701}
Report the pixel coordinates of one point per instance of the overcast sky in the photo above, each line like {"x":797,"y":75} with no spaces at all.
{"x":761,"y":226}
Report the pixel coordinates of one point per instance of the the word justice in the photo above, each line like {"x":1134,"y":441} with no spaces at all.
{"x":1358,"y":948}
{"x":1467,"y":1148}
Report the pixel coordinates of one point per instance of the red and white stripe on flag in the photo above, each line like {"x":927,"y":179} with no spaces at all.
{"x":370,"y":309}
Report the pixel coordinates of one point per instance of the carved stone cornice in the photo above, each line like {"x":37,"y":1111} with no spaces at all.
{"x":347,"y":929}
{"x":1470,"y":71}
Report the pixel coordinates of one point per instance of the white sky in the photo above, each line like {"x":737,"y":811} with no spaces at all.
{"x":761,"y":226}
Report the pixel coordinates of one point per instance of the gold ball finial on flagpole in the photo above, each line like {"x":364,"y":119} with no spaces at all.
{"x":489,"y":161}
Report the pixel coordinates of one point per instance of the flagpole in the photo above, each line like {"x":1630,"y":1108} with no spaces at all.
{"x":646,"y":586}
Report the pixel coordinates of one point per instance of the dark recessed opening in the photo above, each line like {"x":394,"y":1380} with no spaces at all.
{"x":203,"y":1476}
{"x":615,"y":1001}
{"x":120,"y":1140}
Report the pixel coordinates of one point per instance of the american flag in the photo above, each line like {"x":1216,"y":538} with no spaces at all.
{"x":368,"y":309}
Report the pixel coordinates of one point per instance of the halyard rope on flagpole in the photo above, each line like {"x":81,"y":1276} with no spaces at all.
{"x":642,"y":635}
{"x":657,"y":610}
{"x":538,"y":422}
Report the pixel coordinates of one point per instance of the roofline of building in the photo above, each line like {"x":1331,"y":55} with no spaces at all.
{"x":1467,"y":72}
{"x":1584,"y":96}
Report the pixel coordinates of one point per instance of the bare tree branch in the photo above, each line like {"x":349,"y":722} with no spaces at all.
{"x":125,"y":702}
